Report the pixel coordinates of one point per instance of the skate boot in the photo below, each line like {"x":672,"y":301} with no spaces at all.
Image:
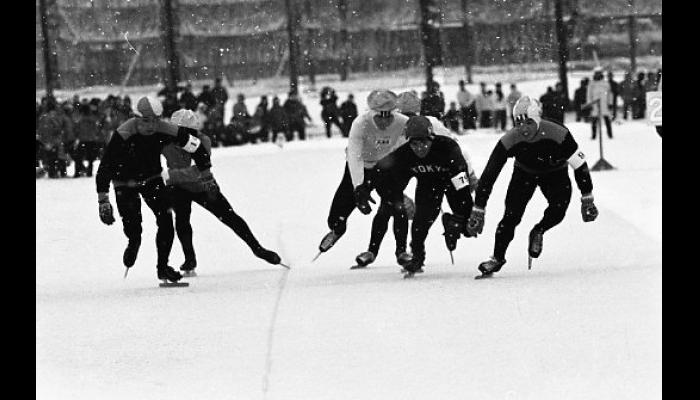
{"x":328,"y":241}
{"x":402,"y":257}
{"x":490,"y":266}
{"x":268,"y":255}
{"x":130,"y":253}
{"x":169,"y":276}
{"x":188,"y":267}
{"x":364,"y":259}
{"x":534,"y":248}
{"x":412,"y":267}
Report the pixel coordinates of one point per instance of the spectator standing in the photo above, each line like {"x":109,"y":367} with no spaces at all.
{"x":170,"y":101}
{"x":499,"y":109}
{"x":513,"y":97}
{"x":51,"y":131}
{"x":451,"y":119}
{"x":484,"y":106}
{"x":615,"y":90}
{"x":467,"y":108}
{"x":348,"y":113}
{"x":329,"y":109}
{"x":187,"y":99}
{"x":279,"y":122}
{"x":547,"y":101}
{"x":599,"y":89}
{"x":580,"y":101}
{"x":297,"y":113}
{"x":88,"y":131}
{"x":560,"y":103}
{"x":260,"y":124}
{"x":206,"y":97}
{"x":434,"y":104}
{"x":639,"y":107}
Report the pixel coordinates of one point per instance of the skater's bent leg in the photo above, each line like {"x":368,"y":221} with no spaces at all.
{"x":557,"y":190}
{"x":221,"y":208}
{"x":428,"y":203}
{"x":129,"y":207}
{"x":520,"y":190}
{"x":343,"y":204}
{"x":380,"y":224}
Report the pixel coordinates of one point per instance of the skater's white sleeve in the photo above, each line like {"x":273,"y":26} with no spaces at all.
{"x":354,"y":152}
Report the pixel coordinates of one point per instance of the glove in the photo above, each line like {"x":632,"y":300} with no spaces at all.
{"x":210,"y":185}
{"x":475,"y":225}
{"x":363,"y":198}
{"x":453,"y":225}
{"x":589,"y":212}
{"x":105,"y":207}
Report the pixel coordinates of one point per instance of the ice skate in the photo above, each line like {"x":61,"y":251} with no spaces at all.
{"x":534,"y":248}
{"x":188,"y":267}
{"x":328,"y":241}
{"x":363,"y":260}
{"x":414,"y":266}
{"x":402,"y":258}
{"x":170,"y":277}
{"x":130,"y":253}
{"x":268,"y":255}
{"x":490,"y":266}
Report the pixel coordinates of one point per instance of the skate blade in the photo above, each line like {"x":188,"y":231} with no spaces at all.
{"x":358,"y":266}
{"x":285,"y":265}
{"x":452,"y":258}
{"x":529,"y":262}
{"x":484,"y":276}
{"x":126,"y":272}
{"x":173,"y":284}
{"x":317,"y":256}
{"x":188,"y":274}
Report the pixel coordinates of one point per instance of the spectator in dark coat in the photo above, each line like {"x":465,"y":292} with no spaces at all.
{"x":219,"y":92}
{"x":547,"y":101}
{"x":187,"y":99}
{"x":206,"y":97}
{"x":434,"y":103}
{"x":639,"y":106}
{"x":169,"y":100}
{"x":329,"y":111}
{"x":296,"y":114}
{"x":88,"y":131}
{"x":278,"y":119}
{"x":51,"y":130}
{"x":348,"y":112}
{"x":615,"y":90}
{"x":560,"y":104}
{"x":260,"y":123}
{"x":451,"y":119}
{"x":580,"y":101}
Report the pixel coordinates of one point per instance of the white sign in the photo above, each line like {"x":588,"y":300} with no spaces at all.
{"x":654,"y":107}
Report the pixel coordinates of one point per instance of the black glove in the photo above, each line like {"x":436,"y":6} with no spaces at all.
{"x":475,"y":225}
{"x":363,"y":198}
{"x":589,"y":212}
{"x":105,"y":207}
{"x":453,"y":224}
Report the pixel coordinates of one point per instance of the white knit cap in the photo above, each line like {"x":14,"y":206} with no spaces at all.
{"x":186,"y":118}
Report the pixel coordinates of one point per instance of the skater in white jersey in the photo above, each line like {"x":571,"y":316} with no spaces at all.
{"x":373,"y":135}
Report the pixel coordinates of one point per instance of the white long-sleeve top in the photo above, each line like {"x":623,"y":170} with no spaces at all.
{"x":368,"y":144}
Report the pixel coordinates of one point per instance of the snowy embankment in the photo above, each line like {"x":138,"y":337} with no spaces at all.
{"x":584,"y":323}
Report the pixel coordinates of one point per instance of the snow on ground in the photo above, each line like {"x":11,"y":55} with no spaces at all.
{"x":584,"y":323}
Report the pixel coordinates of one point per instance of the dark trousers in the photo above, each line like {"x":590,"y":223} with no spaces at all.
{"x":468,"y":117}
{"x":155,"y":195}
{"x":485,"y":120}
{"x":499,"y":120}
{"x":556,"y":188}
{"x":346,"y":125}
{"x":85,"y":151}
{"x":429,"y":195}
{"x":608,"y":125}
{"x":54,"y":161}
{"x":344,"y":203}
{"x":296,"y":127}
{"x":216,"y":204}
{"x":328,"y":121}
{"x":276,"y":131}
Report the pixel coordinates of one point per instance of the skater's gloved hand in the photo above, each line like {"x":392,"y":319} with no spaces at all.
{"x":589,"y":212}
{"x":210,"y":185}
{"x":453,"y":224}
{"x":363,"y":198}
{"x":106,"y":213}
{"x":475,"y":224}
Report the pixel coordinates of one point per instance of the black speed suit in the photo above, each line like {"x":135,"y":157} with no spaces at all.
{"x":131,"y":160}
{"x":442,"y":172}
{"x":541,"y":154}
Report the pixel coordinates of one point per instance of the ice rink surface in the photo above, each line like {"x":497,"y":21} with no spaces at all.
{"x":584,"y":323}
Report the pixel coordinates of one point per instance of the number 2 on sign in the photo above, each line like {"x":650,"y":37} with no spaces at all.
{"x":654,"y":104}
